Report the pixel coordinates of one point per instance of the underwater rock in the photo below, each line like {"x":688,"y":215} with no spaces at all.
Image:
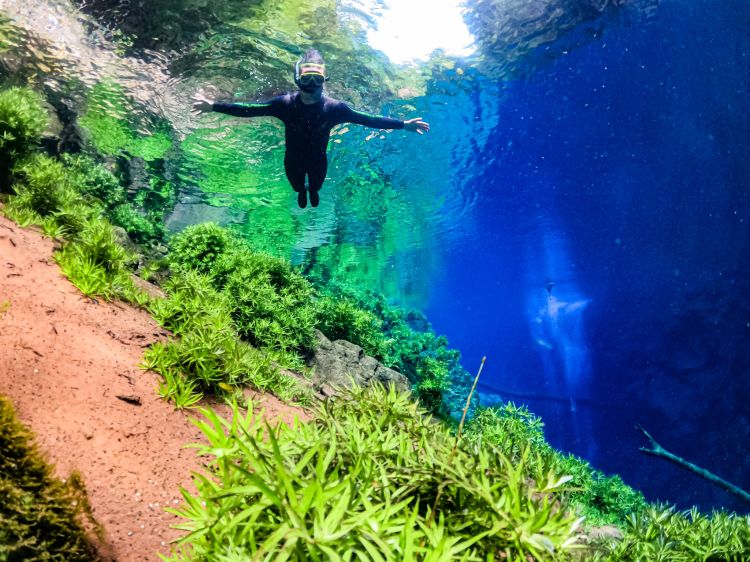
{"x":338,"y":363}
{"x":62,"y":133}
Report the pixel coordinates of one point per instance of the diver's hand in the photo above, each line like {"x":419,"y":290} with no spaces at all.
{"x":416,"y":125}
{"x":201,"y":104}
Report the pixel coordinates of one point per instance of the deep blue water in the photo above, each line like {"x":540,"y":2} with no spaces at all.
{"x":620,"y":173}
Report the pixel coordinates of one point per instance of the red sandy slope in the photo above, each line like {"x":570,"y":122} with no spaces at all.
{"x":64,"y":358}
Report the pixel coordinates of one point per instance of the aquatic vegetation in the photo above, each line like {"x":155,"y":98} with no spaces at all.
{"x":408,"y":345}
{"x":198,"y":247}
{"x":101,"y":187}
{"x":22,"y":122}
{"x":98,"y":265}
{"x":433,"y":381}
{"x":662,"y":533}
{"x":95,"y":180}
{"x":601,"y":499}
{"x":509,"y":427}
{"x":42,"y":185}
{"x":140,"y":228}
{"x":41,"y":517}
{"x":342,"y":318}
{"x":360,"y":482}
{"x":106,"y":119}
{"x":208,"y":354}
{"x":270,"y":303}
{"x":90,"y":255}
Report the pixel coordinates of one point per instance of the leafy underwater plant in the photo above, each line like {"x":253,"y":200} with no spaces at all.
{"x":600,"y":498}
{"x":660,"y":533}
{"x":408,"y":345}
{"x":198,"y":247}
{"x":43,"y":186}
{"x":359,"y":482}
{"x":90,"y":256}
{"x":271,"y":304}
{"x":208,"y":355}
{"x":22,"y":122}
{"x":342,"y":318}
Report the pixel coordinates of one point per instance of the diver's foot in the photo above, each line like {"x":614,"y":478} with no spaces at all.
{"x":302,"y":198}
{"x":314,"y":197}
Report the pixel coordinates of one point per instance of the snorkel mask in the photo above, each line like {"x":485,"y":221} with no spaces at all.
{"x":309,"y":76}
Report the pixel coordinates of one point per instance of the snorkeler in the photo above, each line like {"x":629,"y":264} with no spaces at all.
{"x":308,"y":117}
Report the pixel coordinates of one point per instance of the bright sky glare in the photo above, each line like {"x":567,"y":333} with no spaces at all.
{"x":412,"y":29}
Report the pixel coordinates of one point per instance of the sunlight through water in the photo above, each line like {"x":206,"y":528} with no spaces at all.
{"x":408,"y":31}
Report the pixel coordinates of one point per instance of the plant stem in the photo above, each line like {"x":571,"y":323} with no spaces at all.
{"x":468,"y":402}
{"x":658,"y":451}
{"x":458,"y":438}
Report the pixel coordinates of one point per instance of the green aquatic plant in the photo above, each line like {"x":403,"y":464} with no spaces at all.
{"x":207,"y":354}
{"x":98,"y":265}
{"x":271,"y":303}
{"x":509,"y":427}
{"x":660,"y":533}
{"x":139,"y":227}
{"x":407,"y":343}
{"x":101,"y":187}
{"x":41,"y":517}
{"x":198,"y":247}
{"x":43,"y":185}
{"x":94,"y":180}
{"x":90,"y":255}
{"x":342,"y":318}
{"x":601,"y":499}
{"x":22,"y":122}
{"x":359,"y":482}
{"x":433,"y":381}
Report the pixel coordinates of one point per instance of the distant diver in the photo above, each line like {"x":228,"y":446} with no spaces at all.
{"x":550,"y":285}
{"x":308,"y":117}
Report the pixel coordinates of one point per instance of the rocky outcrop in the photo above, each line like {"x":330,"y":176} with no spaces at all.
{"x":341,"y":363}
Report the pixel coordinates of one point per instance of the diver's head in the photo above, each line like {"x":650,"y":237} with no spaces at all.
{"x":310,"y":72}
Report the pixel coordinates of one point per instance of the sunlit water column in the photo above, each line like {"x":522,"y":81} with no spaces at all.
{"x":555,"y":314}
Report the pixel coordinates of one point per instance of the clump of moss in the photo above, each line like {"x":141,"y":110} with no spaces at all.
{"x":40,"y":516}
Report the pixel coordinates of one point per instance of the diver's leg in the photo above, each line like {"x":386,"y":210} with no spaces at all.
{"x":295,"y":173}
{"x":317,"y":175}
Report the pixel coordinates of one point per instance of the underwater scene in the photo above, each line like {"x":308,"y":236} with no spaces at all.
{"x":552,"y":193}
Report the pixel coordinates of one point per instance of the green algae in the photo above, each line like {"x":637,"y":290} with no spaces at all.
{"x":40,"y":515}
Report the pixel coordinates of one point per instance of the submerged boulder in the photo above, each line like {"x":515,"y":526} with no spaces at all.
{"x":340,"y":363}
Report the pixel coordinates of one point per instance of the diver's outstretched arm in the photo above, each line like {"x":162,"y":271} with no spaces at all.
{"x":204,"y":104}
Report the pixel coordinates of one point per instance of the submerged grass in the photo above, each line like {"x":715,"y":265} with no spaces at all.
{"x":359,"y":482}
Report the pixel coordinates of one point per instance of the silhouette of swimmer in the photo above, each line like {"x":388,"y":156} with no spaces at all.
{"x":308,"y":117}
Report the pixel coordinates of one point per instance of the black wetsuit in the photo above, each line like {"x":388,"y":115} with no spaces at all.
{"x":308,"y":128}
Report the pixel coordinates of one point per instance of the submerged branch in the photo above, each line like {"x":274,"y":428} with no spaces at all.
{"x":658,"y":451}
